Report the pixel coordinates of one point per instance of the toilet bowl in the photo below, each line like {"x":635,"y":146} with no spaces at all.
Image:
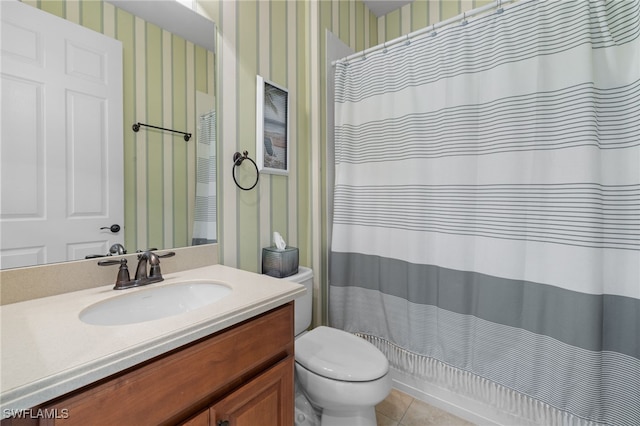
{"x":342,"y":375}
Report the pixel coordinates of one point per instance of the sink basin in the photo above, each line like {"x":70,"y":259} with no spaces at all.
{"x":154,"y":303}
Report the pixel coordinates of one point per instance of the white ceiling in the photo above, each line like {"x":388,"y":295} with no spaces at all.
{"x":382,"y":7}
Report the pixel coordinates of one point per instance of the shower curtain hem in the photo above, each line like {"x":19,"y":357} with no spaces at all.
{"x":476,"y":387}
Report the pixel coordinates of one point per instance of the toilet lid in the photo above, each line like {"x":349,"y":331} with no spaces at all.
{"x":339,"y":355}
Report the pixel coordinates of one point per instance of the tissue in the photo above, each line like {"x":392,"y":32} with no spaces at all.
{"x":279,"y":260}
{"x":278,"y":241}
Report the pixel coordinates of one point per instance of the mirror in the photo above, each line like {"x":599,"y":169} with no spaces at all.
{"x":165,"y":76}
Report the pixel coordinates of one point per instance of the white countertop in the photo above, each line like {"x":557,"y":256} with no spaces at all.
{"x":47,"y":351}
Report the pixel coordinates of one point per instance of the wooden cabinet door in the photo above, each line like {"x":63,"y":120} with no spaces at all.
{"x":267,"y":400}
{"x":202,"y":419}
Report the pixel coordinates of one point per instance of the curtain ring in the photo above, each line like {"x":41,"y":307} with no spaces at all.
{"x":237,"y":160}
{"x":433,"y":30}
{"x":384,"y":50}
{"x":464,"y":19}
{"x":408,"y":42}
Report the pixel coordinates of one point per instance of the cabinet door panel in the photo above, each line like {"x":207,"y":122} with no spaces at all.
{"x":201,"y":419}
{"x":267,"y":400}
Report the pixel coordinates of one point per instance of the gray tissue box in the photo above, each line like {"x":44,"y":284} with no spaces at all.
{"x":280,"y":263}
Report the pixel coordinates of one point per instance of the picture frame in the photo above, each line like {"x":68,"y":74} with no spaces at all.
{"x":272,"y":127}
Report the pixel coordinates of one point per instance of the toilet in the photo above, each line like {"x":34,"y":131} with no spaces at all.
{"x":342,"y":375}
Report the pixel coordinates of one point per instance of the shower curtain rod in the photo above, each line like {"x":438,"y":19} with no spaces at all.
{"x":431,"y":28}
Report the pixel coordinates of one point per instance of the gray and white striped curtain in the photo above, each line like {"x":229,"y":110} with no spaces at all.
{"x":486,"y":231}
{"x":205,"y":218}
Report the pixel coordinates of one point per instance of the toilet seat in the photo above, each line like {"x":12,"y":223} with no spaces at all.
{"x":338,"y":355}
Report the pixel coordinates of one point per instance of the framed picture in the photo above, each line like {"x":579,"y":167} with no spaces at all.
{"x":272,"y":128}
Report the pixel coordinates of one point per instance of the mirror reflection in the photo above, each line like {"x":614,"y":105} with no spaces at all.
{"x":166,"y":185}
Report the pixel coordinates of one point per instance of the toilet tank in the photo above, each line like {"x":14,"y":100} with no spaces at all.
{"x":303,"y":303}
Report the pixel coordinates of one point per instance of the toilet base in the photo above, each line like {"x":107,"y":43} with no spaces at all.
{"x":305,"y":413}
{"x":364,"y":416}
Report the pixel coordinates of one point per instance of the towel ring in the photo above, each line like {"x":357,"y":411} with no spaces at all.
{"x":237,"y":160}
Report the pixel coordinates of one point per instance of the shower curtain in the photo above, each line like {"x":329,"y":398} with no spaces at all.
{"x":205,"y":218}
{"x":486,"y":231}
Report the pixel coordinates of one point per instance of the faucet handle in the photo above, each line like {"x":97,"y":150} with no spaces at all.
{"x":123,"y":280}
{"x":109,"y":262}
{"x":154,"y":264}
{"x":123,"y":274}
{"x":167,"y":254}
{"x":155,"y":272}
{"x":145,"y":250}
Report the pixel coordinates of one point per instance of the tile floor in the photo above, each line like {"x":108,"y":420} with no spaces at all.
{"x":400,"y":409}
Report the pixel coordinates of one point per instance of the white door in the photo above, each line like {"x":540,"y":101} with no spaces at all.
{"x":61,"y":139}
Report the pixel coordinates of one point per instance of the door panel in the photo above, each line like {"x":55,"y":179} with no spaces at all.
{"x":61,"y":142}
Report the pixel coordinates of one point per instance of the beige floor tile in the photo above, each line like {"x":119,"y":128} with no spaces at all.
{"x":383,"y":420}
{"x":395,"y":405}
{"x":400,"y":409}
{"x":422,"y":414}
{"x":451,"y":420}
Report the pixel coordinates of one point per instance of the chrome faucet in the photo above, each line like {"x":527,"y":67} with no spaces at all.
{"x":145,"y":259}
{"x":117,"y":249}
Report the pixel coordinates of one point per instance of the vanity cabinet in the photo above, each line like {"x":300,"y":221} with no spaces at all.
{"x":262,"y":401}
{"x":243,"y":375}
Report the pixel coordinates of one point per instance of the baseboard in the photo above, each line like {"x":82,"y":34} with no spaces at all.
{"x":466,"y":408}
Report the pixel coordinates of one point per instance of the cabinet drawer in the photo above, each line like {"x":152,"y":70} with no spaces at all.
{"x":175,"y":385}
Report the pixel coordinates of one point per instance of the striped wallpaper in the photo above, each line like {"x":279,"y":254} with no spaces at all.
{"x":281,"y":40}
{"x":161,"y":75}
